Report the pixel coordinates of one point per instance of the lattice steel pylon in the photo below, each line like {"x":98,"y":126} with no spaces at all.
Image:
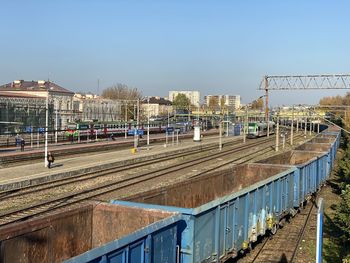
{"x":302,"y":82}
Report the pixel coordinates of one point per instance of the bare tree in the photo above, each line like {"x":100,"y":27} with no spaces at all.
{"x":125,"y":93}
{"x":222,"y":105}
{"x":121,"y":92}
{"x":338,"y":101}
{"x":258,"y":104}
{"x":213,"y":103}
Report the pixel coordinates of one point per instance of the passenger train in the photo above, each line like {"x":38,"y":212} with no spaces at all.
{"x":259,"y":129}
{"x":120,"y":128}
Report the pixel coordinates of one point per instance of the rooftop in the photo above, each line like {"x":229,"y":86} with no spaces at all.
{"x":40,"y":85}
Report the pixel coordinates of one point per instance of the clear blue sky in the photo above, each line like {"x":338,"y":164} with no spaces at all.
{"x":216,"y":47}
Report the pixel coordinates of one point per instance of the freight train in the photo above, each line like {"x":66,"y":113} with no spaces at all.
{"x":223,"y":212}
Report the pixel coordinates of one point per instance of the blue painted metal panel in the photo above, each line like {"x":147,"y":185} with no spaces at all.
{"x":204,"y":235}
{"x":155,"y":243}
{"x":259,"y":207}
{"x":296,"y":188}
{"x":229,"y":240}
{"x":291,"y":189}
{"x":164,"y":246}
{"x":240,"y":217}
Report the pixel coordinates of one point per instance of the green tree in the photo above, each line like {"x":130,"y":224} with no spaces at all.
{"x":181,"y":102}
{"x":344,"y":163}
{"x":342,"y":217}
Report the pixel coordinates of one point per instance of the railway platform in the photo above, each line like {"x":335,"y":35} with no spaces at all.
{"x":11,"y":155}
{"x":30,"y":174}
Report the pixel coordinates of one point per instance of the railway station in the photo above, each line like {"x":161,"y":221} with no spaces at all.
{"x":176,"y":185}
{"x":174,"y":132}
{"x":191,"y":186}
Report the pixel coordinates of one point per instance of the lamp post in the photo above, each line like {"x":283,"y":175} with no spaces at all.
{"x":56,"y":121}
{"x":148,"y":123}
{"x":310,"y":127}
{"x":168,"y":124}
{"x":198,"y":112}
{"x":138,"y":112}
{"x":220,"y":135}
{"x":137,"y":124}
{"x":245,"y":123}
{"x":292,"y":127}
{"x":298,"y":123}
{"x":46,"y":126}
{"x":277,"y":133}
{"x":189,"y":118}
{"x":268,"y":124}
{"x":126,"y":121}
{"x":227,"y":124}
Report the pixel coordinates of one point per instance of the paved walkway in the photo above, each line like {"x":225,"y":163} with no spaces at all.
{"x":13,"y":151}
{"x":36,"y":170}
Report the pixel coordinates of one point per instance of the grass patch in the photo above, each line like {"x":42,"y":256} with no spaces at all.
{"x":334,"y":250}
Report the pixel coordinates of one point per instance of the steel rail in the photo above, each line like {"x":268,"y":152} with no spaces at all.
{"x":295,"y":246}
{"x":71,"y":198}
{"x":95,"y":174}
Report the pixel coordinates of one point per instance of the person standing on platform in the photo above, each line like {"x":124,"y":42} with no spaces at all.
{"x":17,"y":140}
{"x":50,"y":159}
{"x":23,"y":143}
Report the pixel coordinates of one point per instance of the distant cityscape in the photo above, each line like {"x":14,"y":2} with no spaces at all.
{"x":25,"y":102}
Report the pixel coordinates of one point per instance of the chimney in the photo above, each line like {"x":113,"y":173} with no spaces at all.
{"x":41,"y":83}
{"x":17,"y":83}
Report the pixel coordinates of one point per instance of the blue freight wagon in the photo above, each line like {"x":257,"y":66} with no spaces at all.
{"x":319,"y":147}
{"x":224,"y":211}
{"x":156,"y":243}
{"x":312,"y":171}
{"x":65,"y":234}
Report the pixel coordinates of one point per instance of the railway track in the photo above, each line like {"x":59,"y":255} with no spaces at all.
{"x":118,"y":168}
{"x":284,"y":245}
{"x":67,"y":199}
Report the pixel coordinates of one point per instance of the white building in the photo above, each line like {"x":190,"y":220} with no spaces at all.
{"x":59,"y":97}
{"x":88,"y":107}
{"x":193,"y":96}
{"x":233,"y":101}
{"x":156,"y":106}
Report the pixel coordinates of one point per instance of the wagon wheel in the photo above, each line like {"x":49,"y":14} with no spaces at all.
{"x":274,"y":229}
{"x":250,"y":246}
